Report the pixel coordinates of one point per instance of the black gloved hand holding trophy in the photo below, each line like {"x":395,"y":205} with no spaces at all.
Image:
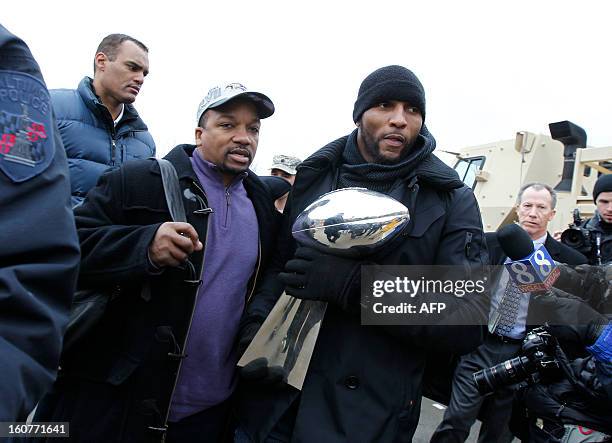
{"x":334,"y":234}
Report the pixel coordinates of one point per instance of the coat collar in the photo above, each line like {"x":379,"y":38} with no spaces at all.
{"x":552,"y":246}
{"x":180,"y":157}
{"x":93,"y":103}
{"x":431,"y":170}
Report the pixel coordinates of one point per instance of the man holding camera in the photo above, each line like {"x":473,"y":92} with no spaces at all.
{"x":600,"y":225}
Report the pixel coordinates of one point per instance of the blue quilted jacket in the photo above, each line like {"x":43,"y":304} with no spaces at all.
{"x":92,"y":143}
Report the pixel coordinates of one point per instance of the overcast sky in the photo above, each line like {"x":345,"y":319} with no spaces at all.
{"x":489,"y":68}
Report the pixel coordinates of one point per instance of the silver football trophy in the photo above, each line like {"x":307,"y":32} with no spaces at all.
{"x":350,"y":222}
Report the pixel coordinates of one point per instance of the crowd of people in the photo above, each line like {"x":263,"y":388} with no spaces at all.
{"x":85,"y":209}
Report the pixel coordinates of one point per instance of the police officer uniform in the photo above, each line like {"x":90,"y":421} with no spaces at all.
{"x":39,"y":255}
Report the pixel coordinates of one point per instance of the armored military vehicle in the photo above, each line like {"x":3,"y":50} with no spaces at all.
{"x":497,"y":170}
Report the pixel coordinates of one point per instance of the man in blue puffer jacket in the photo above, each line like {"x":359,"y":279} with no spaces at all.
{"x":99,"y":126}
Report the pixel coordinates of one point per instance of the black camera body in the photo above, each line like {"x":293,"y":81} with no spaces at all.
{"x":578,"y":237}
{"x":537,"y":361}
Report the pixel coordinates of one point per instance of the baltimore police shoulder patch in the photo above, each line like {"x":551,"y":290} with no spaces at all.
{"x":26,"y":126}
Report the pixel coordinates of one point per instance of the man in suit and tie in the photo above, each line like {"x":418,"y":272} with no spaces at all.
{"x":535,"y":209}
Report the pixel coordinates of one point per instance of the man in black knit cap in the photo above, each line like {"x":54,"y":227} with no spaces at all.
{"x":600,"y":225}
{"x":364,"y":382}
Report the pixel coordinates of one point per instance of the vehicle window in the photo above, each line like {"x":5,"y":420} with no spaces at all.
{"x":467,"y":168}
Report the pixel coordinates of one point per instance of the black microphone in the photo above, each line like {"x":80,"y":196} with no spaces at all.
{"x":514,"y":241}
{"x":531,"y":270}
{"x":517,"y":244}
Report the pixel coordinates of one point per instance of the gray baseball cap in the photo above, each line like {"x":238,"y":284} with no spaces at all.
{"x":223,"y":93}
{"x":286,"y":163}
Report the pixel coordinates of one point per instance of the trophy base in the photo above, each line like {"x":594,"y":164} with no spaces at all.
{"x":287,"y":337}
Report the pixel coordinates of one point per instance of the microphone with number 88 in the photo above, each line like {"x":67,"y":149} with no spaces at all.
{"x":531,"y":270}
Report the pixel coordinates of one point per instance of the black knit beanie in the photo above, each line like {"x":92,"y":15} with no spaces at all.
{"x":389,"y":83}
{"x":603,"y":184}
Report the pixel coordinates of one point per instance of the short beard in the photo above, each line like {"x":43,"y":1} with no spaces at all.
{"x":604,"y":220}
{"x":230,"y":171}
{"x":372,"y":148}
{"x":223,"y":168}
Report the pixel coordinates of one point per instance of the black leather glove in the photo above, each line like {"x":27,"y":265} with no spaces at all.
{"x":260,"y":371}
{"x":562,"y":310}
{"x":313,"y":275}
{"x":586,"y":281}
{"x":246,"y":335}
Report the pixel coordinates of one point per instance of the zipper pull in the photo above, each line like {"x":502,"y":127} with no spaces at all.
{"x":227,"y":196}
{"x":113,"y":151}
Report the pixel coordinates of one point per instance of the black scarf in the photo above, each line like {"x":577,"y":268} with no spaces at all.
{"x":355,"y":171}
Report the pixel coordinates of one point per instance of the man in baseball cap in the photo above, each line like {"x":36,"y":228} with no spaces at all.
{"x":172,"y":374}
{"x":284,"y":166}
{"x":222,"y":94}
{"x":227,"y":131}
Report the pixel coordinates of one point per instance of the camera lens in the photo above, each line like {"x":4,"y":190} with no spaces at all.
{"x":573,"y":238}
{"x":504,"y":374}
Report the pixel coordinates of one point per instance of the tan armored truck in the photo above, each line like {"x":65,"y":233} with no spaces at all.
{"x":497,"y":170}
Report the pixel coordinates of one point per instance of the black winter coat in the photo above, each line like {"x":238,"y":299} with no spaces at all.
{"x":133,"y":355}
{"x":364,"y":382}
{"x":599,"y":228}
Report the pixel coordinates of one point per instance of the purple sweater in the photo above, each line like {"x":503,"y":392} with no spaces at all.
{"x":207,"y":375}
